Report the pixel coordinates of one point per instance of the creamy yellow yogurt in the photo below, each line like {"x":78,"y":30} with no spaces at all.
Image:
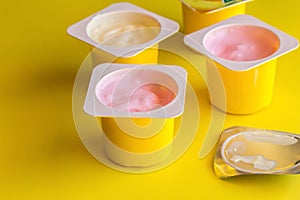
{"x":123,"y":29}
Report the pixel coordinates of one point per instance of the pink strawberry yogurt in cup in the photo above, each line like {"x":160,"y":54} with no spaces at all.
{"x":244,"y":51}
{"x":136,"y":107}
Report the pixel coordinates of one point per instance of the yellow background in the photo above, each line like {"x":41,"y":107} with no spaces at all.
{"x":41,"y":155}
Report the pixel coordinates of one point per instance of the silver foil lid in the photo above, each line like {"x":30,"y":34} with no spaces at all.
{"x":243,"y":150}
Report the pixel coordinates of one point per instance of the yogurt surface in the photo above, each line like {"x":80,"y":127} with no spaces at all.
{"x":132,"y":91}
{"x":123,"y":29}
{"x":126,"y":35}
{"x":241,"y":42}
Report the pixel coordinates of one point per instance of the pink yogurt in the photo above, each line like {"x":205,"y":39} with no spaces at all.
{"x":129,"y":90}
{"x":241,"y":42}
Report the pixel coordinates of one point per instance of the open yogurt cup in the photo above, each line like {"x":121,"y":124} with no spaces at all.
{"x":136,"y":106}
{"x":124,"y":32}
{"x":195,"y":19}
{"x":245,"y":51}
